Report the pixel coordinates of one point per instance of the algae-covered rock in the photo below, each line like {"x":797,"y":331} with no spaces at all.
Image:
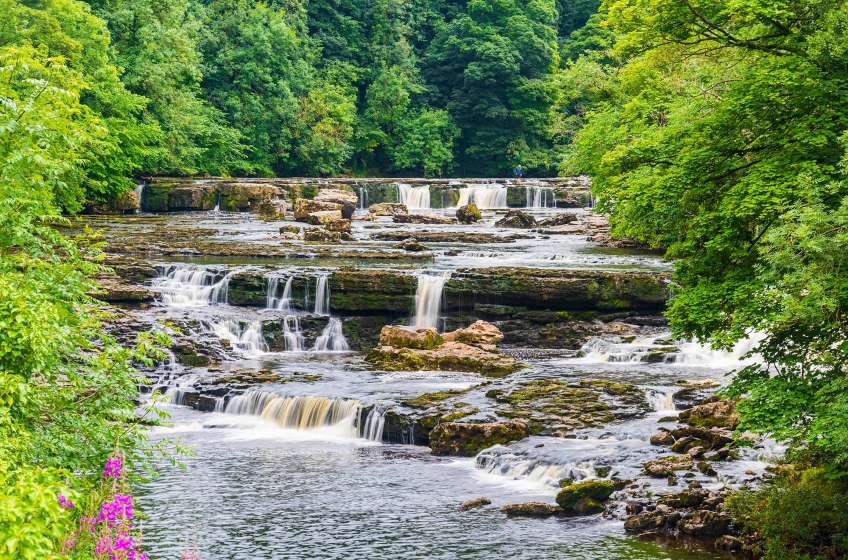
{"x":721,"y":414}
{"x":587,"y":506}
{"x":422,"y":219}
{"x":320,"y":235}
{"x":475,"y":503}
{"x":645,"y":522}
{"x":468,"y":214}
{"x":597,"y":490}
{"x":398,"y":336}
{"x":466,"y":440}
{"x":323,"y":217}
{"x":517,"y":219}
{"x":272,"y":210}
{"x":242,"y":196}
{"x":410,"y":244}
{"x":705,"y":524}
{"x":387,"y":209}
{"x":341,"y":226}
{"x":667,"y":466}
{"x":372,"y":291}
{"x":450,"y":356}
{"x":303,"y":207}
{"x":662,"y":438}
{"x":478,"y":333}
{"x":531,"y":509}
{"x":558,"y":220}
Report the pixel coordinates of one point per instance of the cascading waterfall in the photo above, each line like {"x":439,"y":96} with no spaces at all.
{"x":428,"y":299}
{"x":363,"y":197}
{"x":414,"y":197}
{"x":139,"y":192}
{"x":191,"y":285}
{"x":662,"y":402}
{"x":282,"y":303}
{"x":483,"y":196}
{"x":537,"y":197}
{"x":292,"y":333}
{"x":375,"y":422}
{"x":218,"y":203}
{"x":322,"y":295}
{"x":299,"y":413}
{"x":248,"y":339}
{"x":178,"y":391}
{"x":332,"y":339}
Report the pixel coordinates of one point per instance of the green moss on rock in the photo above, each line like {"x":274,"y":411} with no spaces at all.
{"x":596,"y":490}
{"x":466,"y":440}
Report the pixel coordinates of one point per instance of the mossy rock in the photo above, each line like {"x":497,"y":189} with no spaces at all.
{"x":466,"y":440}
{"x":587,"y":506}
{"x":597,"y":490}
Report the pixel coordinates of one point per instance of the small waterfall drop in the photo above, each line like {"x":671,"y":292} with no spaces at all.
{"x":662,"y":402}
{"x":292,"y":333}
{"x":139,"y":192}
{"x":322,"y":295}
{"x":363,"y":197}
{"x":537,"y":197}
{"x":414,"y":197}
{"x":484,"y":196}
{"x":282,"y":303}
{"x":299,"y":413}
{"x":375,"y":422}
{"x":248,"y":339}
{"x":191,"y":285}
{"x":332,"y":339}
{"x":218,"y":203}
{"x":428,"y":299}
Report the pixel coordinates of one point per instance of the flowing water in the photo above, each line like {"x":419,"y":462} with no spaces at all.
{"x":414,"y":197}
{"x":484,"y":196}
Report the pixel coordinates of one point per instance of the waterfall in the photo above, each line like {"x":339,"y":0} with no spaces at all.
{"x":282,"y":303}
{"x":139,"y":192}
{"x":332,"y":339}
{"x":218,"y":203}
{"x":537,"y":197}
{"x":188,"y":285}
{"x":662,"y":402}
{"x":363,"y":197}
{"x":248,"y":339}
{"x":428,"y":299}
{"x":374,"y":423}
{"x":414,"y":197}
{"x":292,"y":333}
{"x":322,"y":295}
{"x":484,"y":196}
{"x":299,"y":413}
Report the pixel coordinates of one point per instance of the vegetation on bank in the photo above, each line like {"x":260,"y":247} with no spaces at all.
{"x":717,"y":130}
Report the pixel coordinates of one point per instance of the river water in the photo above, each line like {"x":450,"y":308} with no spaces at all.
{"x":256,"y":490}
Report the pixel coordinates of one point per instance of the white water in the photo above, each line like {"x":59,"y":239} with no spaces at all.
{"x":375,"y":423}
{"x":428,"y":299}
{"x":299,"y":413}
{"x":484,"y":196}
{"x":217,"y":204}
{"x":322,"y":295}
{"x":414,"y":197}
{"x":248,"y":339}
{"x":332,"y":339}
{"x":139,"y":191}
{"x":292,"y":333}
{"x":363,"y":198}
{"x":540,"y":197}
{"x":191,"y":285}
{"x":690,"y":353}
{"x":282,"y":303}
{"x":662,"y":402}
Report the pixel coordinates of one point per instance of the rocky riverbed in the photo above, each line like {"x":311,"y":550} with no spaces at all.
{"x":470,"y":338}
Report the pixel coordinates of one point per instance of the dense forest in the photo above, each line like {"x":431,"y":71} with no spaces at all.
{"x":713,"y":130}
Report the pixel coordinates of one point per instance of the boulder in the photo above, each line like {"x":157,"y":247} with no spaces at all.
{"x":341,"y":226}
{"x":242,"y":197}
{"x":387,"y":209}
{"x":323,"y":218}
{"x":124,"y":203}
{"x":303,"y":207}
{"x":291,"y":228}
{"x":411,"y":244}
{"x":662,"y":438}
{"x":272,"y":210}
{"x":320,"y":235}
{"x":720,"y":414}
{"x":686,"y":499}
{"x":346,"y":199}
{"x":475,"y":503}
{"x":644,"y":522}
{"x":477,"y":334}
{"x":399,"y":336}
{"x":422,"y":219}
{"x":705,"y":524}
{"x":531,"y":509}
{"x":558,"y":220}
{"x":369,"y":217}
{"x":468,"y":214}
{"x":517,"y":219}
{"x":667,"y":466}
{"x":194,"y":197}
{"x":587,"y":506}
{"x":596,"y":490}
{"x":450,"y":356}
{"x":466,"y":440}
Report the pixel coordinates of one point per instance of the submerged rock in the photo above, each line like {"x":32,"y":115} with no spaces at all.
{"x":588,"y":495}
{"x":346,"y":199}
{"x":517,"y":219}
{"x":468,"y":214}
{"x":475,"y":503}
{"x":411,"y":244}
{"x":304,"y":207}
{"x":531,"y":509}
{"x":387,"y":209}
{"x":422,"y":219}
{"x":558,"y":220}
{"x":466,"y":440}
{"x":399,"y":336}
{"x":479,"y":333}
{"x":450,"y":356}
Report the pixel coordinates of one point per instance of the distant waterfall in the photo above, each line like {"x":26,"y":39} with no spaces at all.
{"x":139,"y":192}
{"x":428,"y":299}
{"x":375,"y":423}
{"x":363,"y":197}
{"x":332,"y":339}
{"x":282,"y":303}
{"x":483,"y":196}
{"x":218,"y":203}
{"x":191,"y":285}
{"x":299,"y":413}
{"x":537,"y":197}
{"x":660,"y":401}
{"x":292,"y":333}
{"x":322,"y":295}
{"x":248,"y":339}
{"x":414,"y":197}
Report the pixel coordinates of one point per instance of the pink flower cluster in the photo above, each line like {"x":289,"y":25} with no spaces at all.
{"x":65,"y":502}
{"x":122,"y":547}
{"x":112,"y":468}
